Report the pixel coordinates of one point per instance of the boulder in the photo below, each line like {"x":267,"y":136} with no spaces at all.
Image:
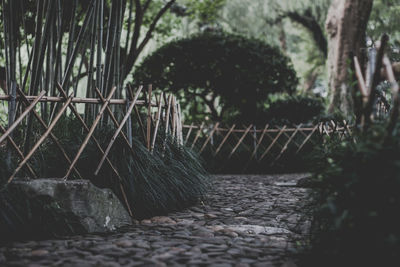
{"x":97,"y":210}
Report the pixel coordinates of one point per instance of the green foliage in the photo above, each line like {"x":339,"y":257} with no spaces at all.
{"x":160,"y":182}
{"x":205,"y":12}
{"x":293,"y":110}
{"x":268,"y":20}
{"x":384,"y":19}
{"x":155,"y":183}
{"x":238,"y":72}
{"x":357,"y":222}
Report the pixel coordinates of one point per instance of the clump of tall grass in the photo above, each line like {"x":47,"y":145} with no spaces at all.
{"x":169,"y":178}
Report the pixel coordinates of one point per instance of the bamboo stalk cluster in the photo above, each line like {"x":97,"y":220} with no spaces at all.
{"x":49,"y":42}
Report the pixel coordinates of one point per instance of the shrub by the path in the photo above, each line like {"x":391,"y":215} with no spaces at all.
{"x":357,"y":220}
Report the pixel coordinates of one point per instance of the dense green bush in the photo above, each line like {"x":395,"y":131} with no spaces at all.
{"x":358,"y":202}
{"x":294,"y":109}
{"x":242,"y":160}
{"x":223,"y":75}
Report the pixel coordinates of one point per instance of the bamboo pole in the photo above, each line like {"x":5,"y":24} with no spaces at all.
{"x":87,"y":129}
{"x":163,"y":109}
{"x":307,"y":138}
{"x":220,"y":134}
{"x":148,"y":133}
{"x":127,"y":115}
{"x":19,"y":152}
{"x":248,"y":148}
{"x":198,"y":134}
{"x":361,"y":82}
{"x":209,"y":137}
{"x":324,"y":129}
{"x":157,"y":124}
{"x":272,"y":139}
{"x":224,"y":140}
{"x":179,"y":125}
{"x":90,"y":67}
{"x":45,"y":127}
{"x":168,"y":114}
{"x":141,"y":125}
{"x":259,"y":142}
{"x":41,"y":140}
{"x":256,"y":140}
{"x":346,"y":126}
{"x":286,"y":145}
{"x":240,"y":141}
{"x":254,"y":136}
{"x":288,"y":136}
{"x":154,"y":115}
{"x":258,"y":131}
{"x":129,"y":121}
{"x":375,"y":81}
{"x":189,"y":132}
{"x":78,"y":116}
{"x":304,"y":134}
{"x":173,"y":124}
{"x":272,"y":144}
{"x":83,"y":100}
{"x":110,"y":46}
{"x":125,"y":198}
{"x":116,"y":123}
{"x":71,"y":60}
{"x":394,"y":114}
{"x":22,"y":116}
{"x":85,"y":142}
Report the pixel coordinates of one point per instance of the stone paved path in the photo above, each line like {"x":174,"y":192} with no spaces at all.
{"x":246,"y":221}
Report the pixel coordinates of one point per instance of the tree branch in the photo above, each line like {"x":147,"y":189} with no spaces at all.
{"x":136,"y":50}
{"x":132,"y":55}
{"x":146,"y":5}
{"x":312,"y":25}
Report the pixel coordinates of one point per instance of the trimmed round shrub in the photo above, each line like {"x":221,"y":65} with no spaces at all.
{"x":217,"y":69}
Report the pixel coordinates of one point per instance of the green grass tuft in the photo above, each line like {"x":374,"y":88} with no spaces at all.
{"x":168,"y":179}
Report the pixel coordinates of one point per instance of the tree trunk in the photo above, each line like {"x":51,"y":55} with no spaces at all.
{"x":346,"y":25}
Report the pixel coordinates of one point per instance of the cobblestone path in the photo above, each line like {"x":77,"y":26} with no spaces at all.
{"x":245,"y":221}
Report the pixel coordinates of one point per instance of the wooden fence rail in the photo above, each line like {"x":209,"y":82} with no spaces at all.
{"x":255,"y":144}
{"x":156,"y":115}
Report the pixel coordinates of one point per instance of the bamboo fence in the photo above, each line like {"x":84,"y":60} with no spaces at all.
{"x":160,"y":112}
{"x":258,"y":144}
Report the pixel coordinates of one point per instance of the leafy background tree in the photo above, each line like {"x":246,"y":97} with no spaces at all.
{"x":230,"y":74}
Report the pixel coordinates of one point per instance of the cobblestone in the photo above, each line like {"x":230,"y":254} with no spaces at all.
{"x":245,"y":221}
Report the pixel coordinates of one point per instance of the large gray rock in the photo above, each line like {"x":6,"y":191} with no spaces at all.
{"x":98,"y":210}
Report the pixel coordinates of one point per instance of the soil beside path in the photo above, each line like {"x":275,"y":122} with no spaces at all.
{"x":245,"y":221}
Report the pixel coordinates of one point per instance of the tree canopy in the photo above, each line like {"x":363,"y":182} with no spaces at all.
{"x":226,"y":72}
